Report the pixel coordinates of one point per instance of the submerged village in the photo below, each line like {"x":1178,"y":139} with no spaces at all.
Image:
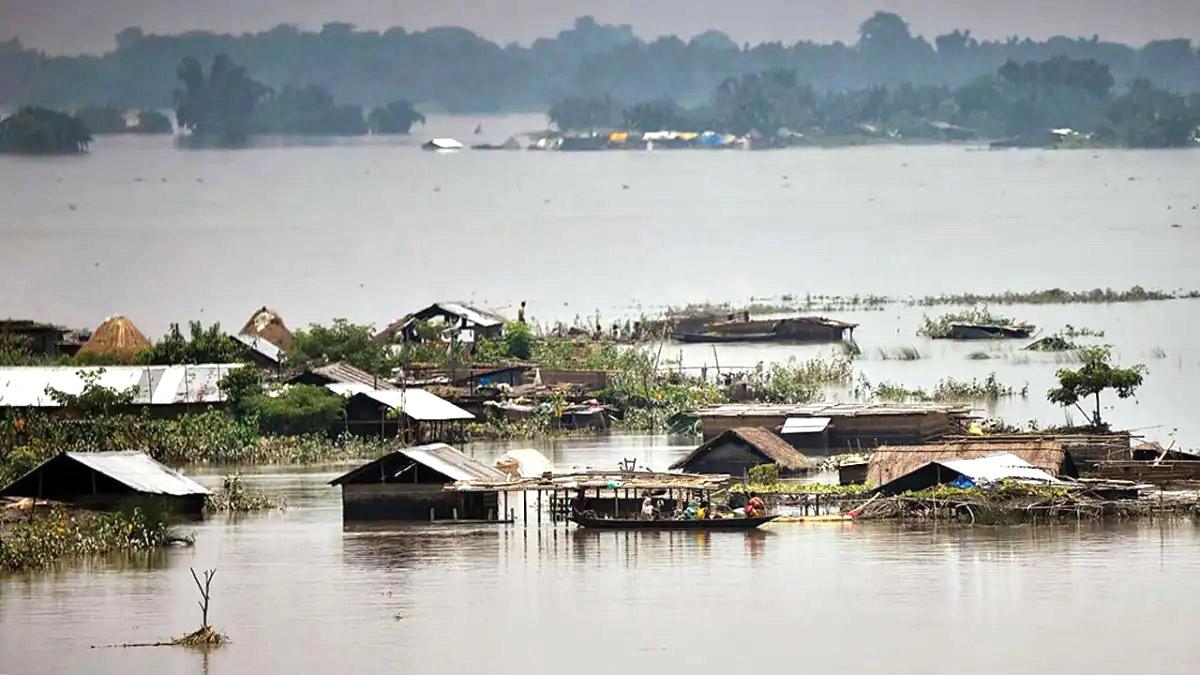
{"x":99,"y":427}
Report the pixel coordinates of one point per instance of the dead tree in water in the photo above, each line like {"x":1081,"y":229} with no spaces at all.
{"x":204,"y":593}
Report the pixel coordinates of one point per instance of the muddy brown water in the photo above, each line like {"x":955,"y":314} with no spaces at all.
{"x":299,"y":591}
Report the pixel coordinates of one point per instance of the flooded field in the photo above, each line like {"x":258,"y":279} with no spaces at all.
{"x":299,"y":592}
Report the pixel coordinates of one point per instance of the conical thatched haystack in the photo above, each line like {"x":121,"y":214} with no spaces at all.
{"x":268,"y":325}
{"x":116,"y":338}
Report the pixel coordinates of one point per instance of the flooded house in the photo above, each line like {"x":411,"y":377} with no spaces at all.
{"x":851,"y":426}
{"x":410,"y":484}
{"x":967,"y":473}
{"x":165,"y":391}
{"x":107,"y":480}
{"x":338,"y":373}
{"x":889,"y":463}
{"x":414,"y":415}
{"x":976,"y":331}
{"x":736,"y":451}
{"x":740,"y":327}
{"x":451,"y":320}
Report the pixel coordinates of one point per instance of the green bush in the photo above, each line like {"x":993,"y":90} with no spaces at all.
{"x":764,"y":474}
{"x":299,"y":409}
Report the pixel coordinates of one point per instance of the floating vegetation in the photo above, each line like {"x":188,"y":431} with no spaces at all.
{"x":947,"y":390}
{"x":979,"y":356}
{"x":899,"y":354}
{"x":1052,"y":343}
{"x":1158,"y":353}
{"x":235,"y":497}
{"x":1054,"y":296}
{"x":1079,"y":331}
{"x":942,"y":326}
{"x":798,"y":381}
{"x":36,"y":543}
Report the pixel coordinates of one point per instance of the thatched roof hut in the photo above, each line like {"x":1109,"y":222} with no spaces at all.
{"x":738,"y":450}
{"x":116,"y":338}
{"x":268,"y":325}
{"x":889,"y":462}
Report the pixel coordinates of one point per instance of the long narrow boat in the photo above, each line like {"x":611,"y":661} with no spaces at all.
{"x":632,"y":524}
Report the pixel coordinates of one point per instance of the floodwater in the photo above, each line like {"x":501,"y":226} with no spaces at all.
{"x":299,"y":592}
{"x":369,"y":228}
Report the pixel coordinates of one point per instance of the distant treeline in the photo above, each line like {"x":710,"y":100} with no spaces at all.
{"x":1059,"y":100}
{"x":455,"y":69}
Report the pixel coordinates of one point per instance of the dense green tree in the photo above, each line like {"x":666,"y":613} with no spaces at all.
{"x":202,"y":345}
{"x":341,"y":341}
{"x":38,"y":131}
{"x":306,"y":111}
{"x":1095,"y":376}
{"x":219,"y":104}
{"x":103,"y":119}
{"x":587,"y":113}
{"x":1148,"y":117}
{"x":658,"y":115}
{"x":153,"y":122}
{"x":396,"y":117}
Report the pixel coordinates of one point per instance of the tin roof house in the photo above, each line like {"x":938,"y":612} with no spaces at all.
{"x":108,"y":479}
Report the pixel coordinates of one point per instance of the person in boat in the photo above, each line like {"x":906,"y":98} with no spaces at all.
{"x":755,"y":507}
{"x":579,"y":503}
{"x":692,"y":510}
{"x":648,"y":510}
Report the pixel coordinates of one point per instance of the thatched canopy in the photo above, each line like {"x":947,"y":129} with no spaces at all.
{"x":268,"y":325}
{"x":116,"y":338}
{"x":889,"y":462}
{"x":761,"y":442}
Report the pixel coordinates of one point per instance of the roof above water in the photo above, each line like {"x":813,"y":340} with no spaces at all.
{"x":997,"y":467}
{"x":418,"y":404}
{"x":764,"y":441}
{"x":440,"y":457}
{"x":830,"y":409}
{"x":25,"y":386}
{"x":137,"y":470}
{"x":805,"y":425}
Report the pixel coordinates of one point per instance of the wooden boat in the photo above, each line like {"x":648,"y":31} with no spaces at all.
{"x":633,"y":524}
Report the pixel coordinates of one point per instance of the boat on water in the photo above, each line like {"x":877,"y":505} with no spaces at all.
{"x":707,"y":524}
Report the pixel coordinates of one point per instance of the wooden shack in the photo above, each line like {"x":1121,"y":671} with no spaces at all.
{"x":415,"y":415}
{"x":410,"y":484}
{"x":852,"y":426}
{"x":107,"y":480}
{"x":736,"y":451}
{"x":891,"y":462}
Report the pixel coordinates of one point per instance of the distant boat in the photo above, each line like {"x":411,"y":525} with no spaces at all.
{"x":442,"y":144}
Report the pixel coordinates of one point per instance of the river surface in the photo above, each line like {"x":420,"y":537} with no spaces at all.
{"x":298,"y":591}
{"x":371,"y":228}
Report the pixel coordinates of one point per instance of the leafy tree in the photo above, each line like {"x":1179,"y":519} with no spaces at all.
{"x":518,"y":340}
{"x":583,"y":113}
{"x":298,"y":409}
{"x":1148,"y":117}
{"x":38,"y":131}
{"x":306,"y":111}
{"x":152,"y":122}
{"x":396,"y":117}
{"x":14,"y":350}
{"x":657,"y":115}
{"x":240,"y":385}
{"x":220,"y":103}
{"x":341,"y":341}
{"x":1095,"y":375}
{"x":203,"y":345}
{"x":103,"y":119}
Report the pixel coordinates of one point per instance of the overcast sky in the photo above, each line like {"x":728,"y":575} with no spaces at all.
{"x":74,"y":26}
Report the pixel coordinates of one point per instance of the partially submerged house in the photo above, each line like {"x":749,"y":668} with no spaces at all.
{"x":338,"y":373}
{"x":415,"y":415}
{"x":975,"y":331}
{"x":107,"y":480}
{"x":457,"y":320}
{"x":410,"y":484}
{"x":967,"y":473}
{"x":851,"y":425}
{"x":891,"y":462}
{"x":165,"y":390}
{"x":116,"y":339}
{"x":740,"y":327}
{"x":736,"y":451}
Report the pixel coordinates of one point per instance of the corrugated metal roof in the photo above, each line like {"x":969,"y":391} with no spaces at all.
{"x":997,"y":467}
{"x":829,"y":409}
{"x":140,"y":472}
{"x":344,"y":372}
{"x":416,"y":403}
{"x":437,"y":456}
{"x":473,"y":314}
{"x":25,"y":386}
{"x":805,"y":425}
{"x":261,"y":345}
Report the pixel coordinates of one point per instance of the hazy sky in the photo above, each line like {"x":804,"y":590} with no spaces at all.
{"x":73,"y":26}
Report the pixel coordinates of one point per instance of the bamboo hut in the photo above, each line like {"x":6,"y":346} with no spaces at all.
{"x":268,"y":325}
{"x":117,"y":338}
{"x":890,"y":462}
{"x":738,"y":450}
